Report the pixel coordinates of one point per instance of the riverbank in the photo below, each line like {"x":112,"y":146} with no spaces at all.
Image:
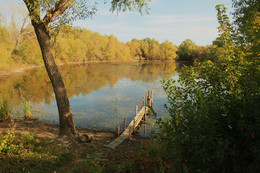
{"x":12,"y":70}
{"x":79,"y":152}
{"x":45,"y":130}
{"x":17,"y":69}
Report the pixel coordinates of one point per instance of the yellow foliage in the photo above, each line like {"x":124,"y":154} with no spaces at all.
{"x":5,"y":49}
{"x":82,"y":45}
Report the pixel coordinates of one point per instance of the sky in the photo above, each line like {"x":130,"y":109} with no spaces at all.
{"x":172,"y":20}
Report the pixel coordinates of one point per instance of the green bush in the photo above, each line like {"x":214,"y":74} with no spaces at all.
{"x":214,"y":108}
{"x":213,"y":121}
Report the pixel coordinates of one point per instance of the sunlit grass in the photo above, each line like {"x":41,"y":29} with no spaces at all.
{"x":24,"y":153}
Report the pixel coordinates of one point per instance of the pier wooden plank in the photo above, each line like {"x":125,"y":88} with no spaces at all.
{"x":137,"y":119}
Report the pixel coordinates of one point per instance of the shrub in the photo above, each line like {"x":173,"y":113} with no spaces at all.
{"x":214,"y":109}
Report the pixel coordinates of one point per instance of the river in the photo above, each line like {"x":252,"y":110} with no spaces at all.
{"x":101,"y":94}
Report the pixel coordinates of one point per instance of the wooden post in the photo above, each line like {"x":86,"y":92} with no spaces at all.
{"x":144,"y":123}
{"x":124,"y":124}
{"x":130,"y":131}
{"x":145,"y":128}
{"x":149,"y":95}
{"x":146,"y":96}
{"x":149,"y":101}
{"x":136,"y":110}
{"x":142,"y":105}
{"x":134,"y":125}
{"x":152,"y":98}
{"x":118,"y":129}
{"x":145,"y":105}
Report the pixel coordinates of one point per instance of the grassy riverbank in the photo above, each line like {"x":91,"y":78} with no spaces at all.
{"x":35,"y":146}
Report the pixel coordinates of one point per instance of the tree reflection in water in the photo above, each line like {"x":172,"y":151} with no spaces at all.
{"x":90,"y":88}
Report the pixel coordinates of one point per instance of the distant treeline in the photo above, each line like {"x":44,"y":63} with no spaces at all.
{"x":19,"y":46}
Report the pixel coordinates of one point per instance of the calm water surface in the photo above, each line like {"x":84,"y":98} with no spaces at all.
{"x":101,"y":94}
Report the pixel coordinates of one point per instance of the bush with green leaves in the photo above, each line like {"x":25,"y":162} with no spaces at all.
{"x":214,"y":109}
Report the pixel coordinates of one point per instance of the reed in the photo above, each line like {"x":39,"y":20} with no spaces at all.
{"x":4,"y":110}
{"x":27,"y":110}
{"x":114,"y":104}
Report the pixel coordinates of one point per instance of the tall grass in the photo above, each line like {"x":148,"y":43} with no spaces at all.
{"x":4,"y":110}
{"x":27,"y":110}
{"x":114,"y":104}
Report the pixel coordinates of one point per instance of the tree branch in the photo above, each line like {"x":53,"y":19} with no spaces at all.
{"x":58,"y":9}
{"x":33,"y":9}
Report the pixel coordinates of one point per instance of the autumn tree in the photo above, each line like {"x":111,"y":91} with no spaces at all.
{"x":20,"y":27}
{"x":154,"y":50}
{"x":111,"y":48}
{"x":168,"y":51}
{"x":134,"y":47}
{"x":5,"y":48}
{"x":151,"y":49}
{"x":53,"y":13}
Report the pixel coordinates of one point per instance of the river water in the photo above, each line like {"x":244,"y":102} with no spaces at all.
{"x":101,"y":94}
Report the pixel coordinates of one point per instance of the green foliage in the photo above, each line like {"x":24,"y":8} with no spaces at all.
{"x":224,"y":29}
{"x":131,"y":5}
{"x":186,"y":50}
{"x":214,"y":109}
{"x":214,"y":118}
{"x":189,"y":51}
{"x":4,"y":110}
{"x":29,"y":154}
{"x":247,"y":17}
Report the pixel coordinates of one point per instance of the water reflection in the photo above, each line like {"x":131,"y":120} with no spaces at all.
{"x":101,"y":94}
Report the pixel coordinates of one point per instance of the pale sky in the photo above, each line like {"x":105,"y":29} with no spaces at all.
{"x":172,"y":20}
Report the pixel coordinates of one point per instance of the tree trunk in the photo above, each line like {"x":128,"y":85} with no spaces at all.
{"x":67,"y":125}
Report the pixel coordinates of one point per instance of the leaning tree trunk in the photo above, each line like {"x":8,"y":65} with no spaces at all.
{"x":67,"y":125}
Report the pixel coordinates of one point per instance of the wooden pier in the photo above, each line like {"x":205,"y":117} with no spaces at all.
{"x":133,"y":125}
